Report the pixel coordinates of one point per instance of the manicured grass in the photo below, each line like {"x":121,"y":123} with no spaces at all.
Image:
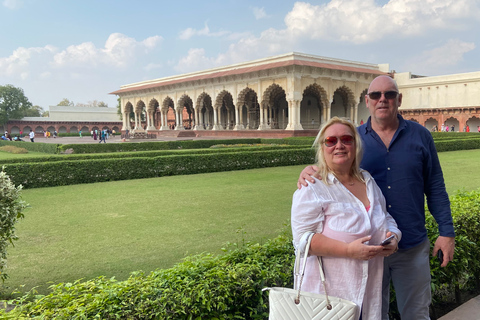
{"x":114,"y":228}
{"x":30,"y":154}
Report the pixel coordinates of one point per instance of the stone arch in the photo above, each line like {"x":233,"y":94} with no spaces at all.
{"x":152,"y":111}
{"x":312,"y":107}
{"x":452,"y":121}
{"x":473,"y":123}
{"x":188,"y":117}
{"x":431,"y":124}
{"x":15,"y":130}
{"x":343,"y":103}
{"x":275,"y":99}
{"x":204,"y":111}
{"x":26,"y":129}
{"x":62,"y":129}
{"x":74,"y":129}
{"x":85,"y":129}
{"x":363,"y":113}
{"x":128,"y":115}
{"x":168,"y":107}
{"x":51,"y":129}
{"x":39,"y":129}
{"x":225,"y":110}
{"x":248,"y":98}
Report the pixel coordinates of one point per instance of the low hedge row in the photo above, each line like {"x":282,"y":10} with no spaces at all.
{"x":143,"y":154}
{"x":457,"y":144}
{"x":229,"y":286}
{"x":58,"y":173}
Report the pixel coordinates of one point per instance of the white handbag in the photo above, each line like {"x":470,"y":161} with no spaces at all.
{"x":292,"y":304}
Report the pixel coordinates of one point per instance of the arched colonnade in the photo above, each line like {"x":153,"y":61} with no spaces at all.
{"x":251,"y":109}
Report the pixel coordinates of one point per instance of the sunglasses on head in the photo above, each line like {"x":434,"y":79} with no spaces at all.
{"x":345,"y":140}
{"x":375,"y":95}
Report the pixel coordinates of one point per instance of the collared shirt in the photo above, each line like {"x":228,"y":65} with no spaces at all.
{"x":336,"y":213}
{"x":406,"y":172}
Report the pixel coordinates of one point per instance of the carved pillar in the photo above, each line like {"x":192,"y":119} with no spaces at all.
{"x":179,"y":118}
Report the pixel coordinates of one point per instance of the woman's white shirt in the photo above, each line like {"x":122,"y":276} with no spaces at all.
{"x":335,"y":212}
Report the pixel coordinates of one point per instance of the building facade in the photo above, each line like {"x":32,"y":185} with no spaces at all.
{"x":291,"y":92}
{"x":67,"y":119}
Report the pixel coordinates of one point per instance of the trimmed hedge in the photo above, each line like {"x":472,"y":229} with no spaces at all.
{"x":154,"y":145}
{"x":58,"y":173}
{"x":457,"y":144}
{"x":143,"y":154}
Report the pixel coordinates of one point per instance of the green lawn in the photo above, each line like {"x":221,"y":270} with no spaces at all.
{"x":113,"y":228}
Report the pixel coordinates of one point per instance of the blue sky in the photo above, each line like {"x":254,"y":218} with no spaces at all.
{"x":84,"y":49}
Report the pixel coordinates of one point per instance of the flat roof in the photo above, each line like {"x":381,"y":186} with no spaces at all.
{"x":285,"y":60}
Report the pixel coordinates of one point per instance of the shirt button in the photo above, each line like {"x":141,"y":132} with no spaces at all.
{"x":389,"y":205}
{"x":388,"y":168}
{"x":389,"y":187}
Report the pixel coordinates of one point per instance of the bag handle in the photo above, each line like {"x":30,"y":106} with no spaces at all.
{"x":308,"y":241}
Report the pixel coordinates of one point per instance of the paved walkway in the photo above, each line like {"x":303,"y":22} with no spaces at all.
{"x":117,"y":139}
{"x":470,"y":310}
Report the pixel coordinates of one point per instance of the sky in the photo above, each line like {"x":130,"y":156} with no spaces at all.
{"x":84,"y":49}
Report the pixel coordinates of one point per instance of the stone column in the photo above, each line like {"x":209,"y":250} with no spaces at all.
{"x":216,"y":126}
{"x":179,"y":117}
{"x":294,"y":115}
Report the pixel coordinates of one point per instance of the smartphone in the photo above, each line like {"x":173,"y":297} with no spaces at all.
{"x":387,"y":240}
{"x":440,"y":256}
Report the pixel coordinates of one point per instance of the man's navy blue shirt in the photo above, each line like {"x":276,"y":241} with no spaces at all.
{"x":406,"y":172}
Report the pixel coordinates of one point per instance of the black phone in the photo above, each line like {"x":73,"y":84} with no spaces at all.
{"x":440,"y":256}
{"x":387,"y":240}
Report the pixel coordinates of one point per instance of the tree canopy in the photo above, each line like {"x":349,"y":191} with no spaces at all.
{"x":65,"y":102}
{"x":13,"y":103}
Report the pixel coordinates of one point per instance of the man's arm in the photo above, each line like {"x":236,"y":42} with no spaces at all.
{"x":307,"y":174}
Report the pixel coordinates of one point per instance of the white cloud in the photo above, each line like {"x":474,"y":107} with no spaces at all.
{"x":119,"y":51}
{"x":356,"y":22}
{"x":259,"y":13}
{"x":22,"y":60}
{"x":191,"y":32}
{"x":12,"y":4}
{"x":449,"y":54}
{"x":197,"y":60}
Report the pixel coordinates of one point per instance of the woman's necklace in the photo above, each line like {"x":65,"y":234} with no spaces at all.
{"x":349,"y":183}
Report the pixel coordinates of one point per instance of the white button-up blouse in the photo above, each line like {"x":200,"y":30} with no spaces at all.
{"x":336,"y":213}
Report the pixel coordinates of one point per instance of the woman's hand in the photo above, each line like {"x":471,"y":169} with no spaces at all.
{"x":359,"y":250}
{"x":390,"y":248}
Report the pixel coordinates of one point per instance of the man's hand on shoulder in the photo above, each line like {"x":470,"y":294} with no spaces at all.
{"x":307,"y":174}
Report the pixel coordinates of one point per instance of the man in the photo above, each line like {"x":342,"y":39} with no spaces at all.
{"x":31,"y":135}
{"x":401,"y":157}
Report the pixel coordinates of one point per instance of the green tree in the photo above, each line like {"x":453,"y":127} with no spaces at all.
{"x":13,"y":103}
{"x":102,"y":104}
{"x":119,"y":108}
{"x":65,"y":102}
{"x":11,"y":210}
{"x":34,"y":111}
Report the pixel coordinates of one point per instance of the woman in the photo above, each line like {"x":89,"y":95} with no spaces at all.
{"x":348,"y":216}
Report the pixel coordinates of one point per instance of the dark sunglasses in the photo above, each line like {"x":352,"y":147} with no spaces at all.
{"x":375,"y":95}
{"x":345,"y":140}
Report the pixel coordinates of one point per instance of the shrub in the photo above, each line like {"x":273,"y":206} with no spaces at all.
{"x":11,"y":210}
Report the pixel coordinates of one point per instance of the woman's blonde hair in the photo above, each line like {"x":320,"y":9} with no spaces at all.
{"x":320,"y":157}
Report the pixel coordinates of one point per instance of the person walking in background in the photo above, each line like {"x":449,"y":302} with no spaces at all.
{"x":32,"y":136}
{"x":102,"y":136}
{"x":401,"y":157}
{"x":80,"y":133}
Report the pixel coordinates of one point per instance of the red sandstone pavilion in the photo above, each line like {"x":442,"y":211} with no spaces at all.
{"x":288,"y":95}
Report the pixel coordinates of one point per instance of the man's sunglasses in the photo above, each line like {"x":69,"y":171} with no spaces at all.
{"x":345,"y":140}
{"x":375,"y":95}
